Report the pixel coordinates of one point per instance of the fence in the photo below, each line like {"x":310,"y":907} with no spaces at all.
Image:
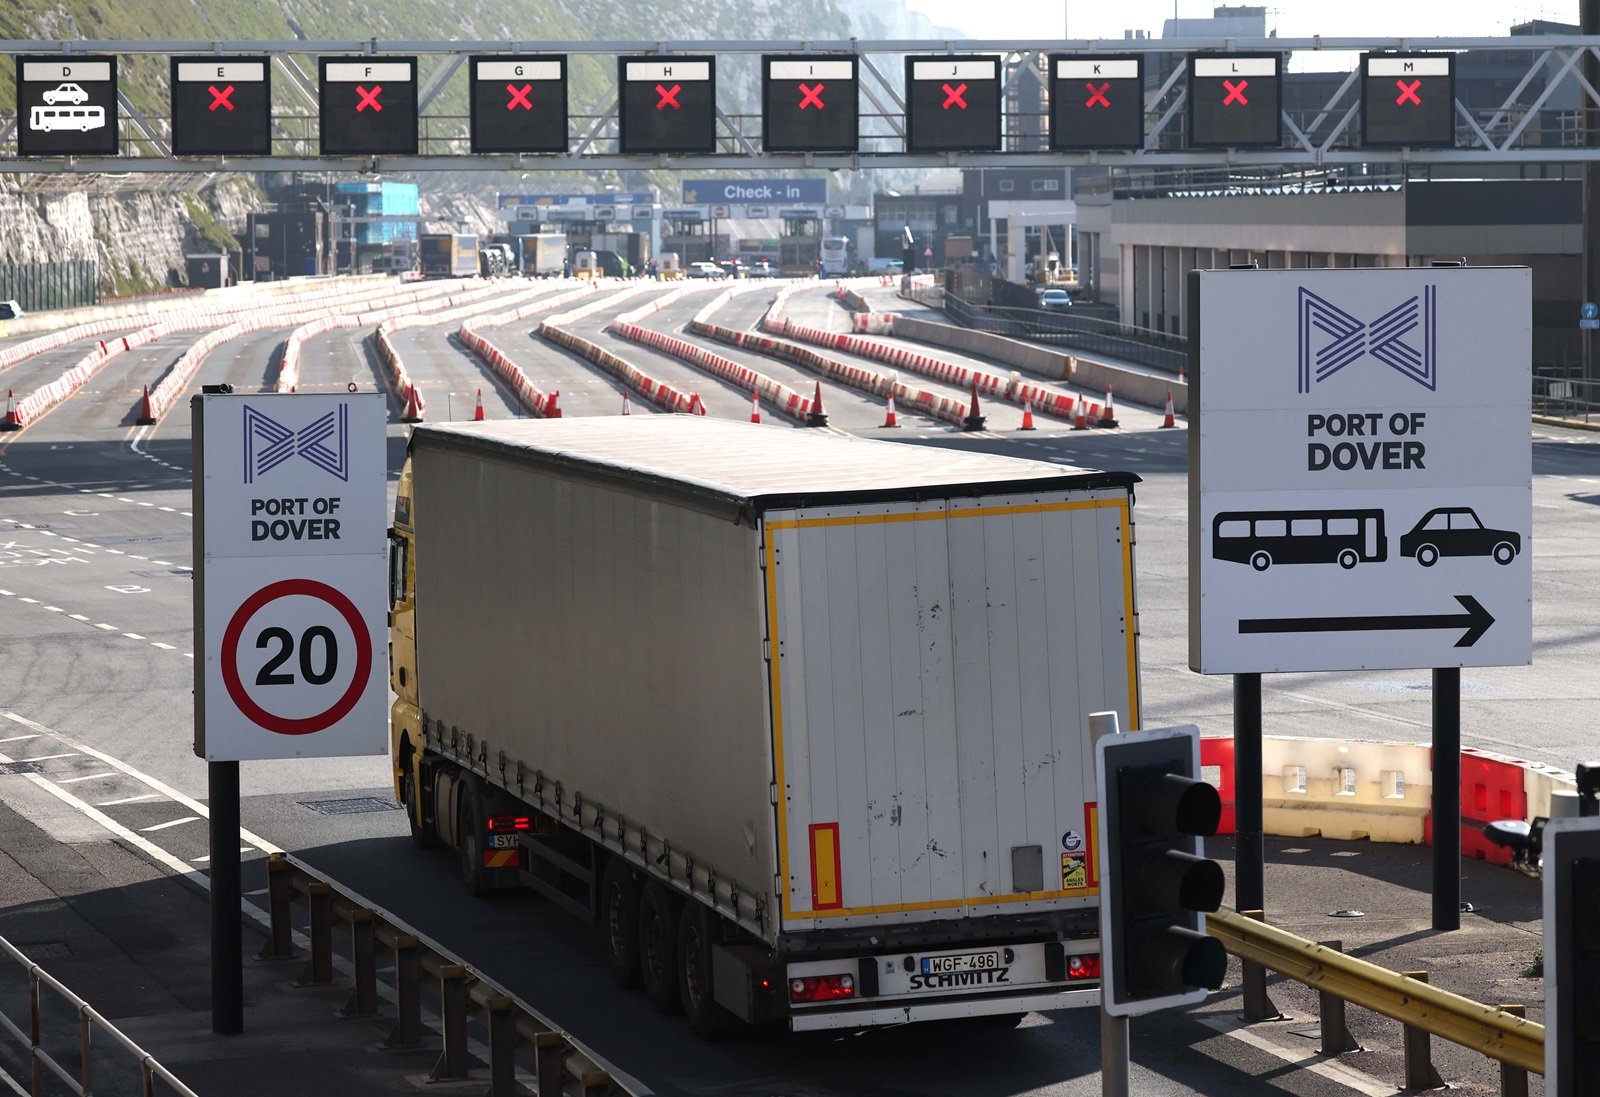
{"x":1168,"y":353}
{"x":72,"y":283}
{"x":1567,"y":398}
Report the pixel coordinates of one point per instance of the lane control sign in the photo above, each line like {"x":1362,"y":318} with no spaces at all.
{"x":1408,"y":100}
{"x":66,"y":106}
{"x":1235,"y":100}
{"x":368,"y":107}
{"x":1096,"y":102}
{"x":221,"y":106}
{"x":1360,"y":493}
{"x":953,"y":104}
{"x":519,"y":104}
{"x":809,"y":103}
{"x":291,"y":601}
{"x":668,"y":104}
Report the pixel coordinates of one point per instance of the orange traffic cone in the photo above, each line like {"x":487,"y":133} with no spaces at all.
{"x":552,"y":408}
{"x":974,"y":419}
{"x":891,"y":419}
{"x":755,"y":407}
{"x":816,"y":417}
{"x":1108,"y":418}
{"x":696,"y":405}
{"x":412,"y":413}
{"x":12,"y":420}
{"x":147,"y":415}
{"x":1080,"y":418}
{"x":1169,"y":421}
{"x":627,"y":403}
{"x":477,"y":412}
{"x":1027,"y":416}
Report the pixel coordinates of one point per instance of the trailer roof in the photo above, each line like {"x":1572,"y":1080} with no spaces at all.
{"x":724,"y":463}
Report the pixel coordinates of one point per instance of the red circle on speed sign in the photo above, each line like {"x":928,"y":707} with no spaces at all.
{"x":283,"y":725}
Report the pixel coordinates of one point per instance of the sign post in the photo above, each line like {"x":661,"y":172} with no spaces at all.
{"x":290,"y":609}
{"x":1359,"y":495}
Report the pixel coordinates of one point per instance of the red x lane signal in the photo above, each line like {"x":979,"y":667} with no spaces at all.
{"x":369,"y":98}
{"x":519,"y":97}
{"x":220,"y":97}
{"x":1097,"y":96}
{"x":811,"y":96}
{"x":669,"y":97}
{"x":1408,"y":93}
{"x":954,"y":95}
{"x":1235,"y":93}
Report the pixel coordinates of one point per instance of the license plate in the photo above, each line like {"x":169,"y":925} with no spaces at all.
{"x":502,"y":841}
{"x":962,"y":961}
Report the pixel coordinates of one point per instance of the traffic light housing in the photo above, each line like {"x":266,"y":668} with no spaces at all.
{"x":1156,"y":884}
{"x":1572,"y":955}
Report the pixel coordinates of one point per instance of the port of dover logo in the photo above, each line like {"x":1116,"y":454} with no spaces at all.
{"x":269,"y":443}
{"x":1406,"y":338}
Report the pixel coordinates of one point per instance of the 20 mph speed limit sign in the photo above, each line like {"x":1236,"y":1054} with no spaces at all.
{"x":292,"y":515}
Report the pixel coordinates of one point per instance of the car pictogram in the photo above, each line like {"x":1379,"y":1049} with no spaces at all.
{"x":1457,"y":531}
{"x":66,"y":93}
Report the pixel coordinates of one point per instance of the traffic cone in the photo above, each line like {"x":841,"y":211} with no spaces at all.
{"x":147,"y":415}
{"x":816,"y":417}
{"x":755,"y":407}
{"x":1027,"y":416}
{"x":696,"y":405}
{"x":1181,"y":381}
{"x":413,"y":408}
{"x":477,"y":412}
{"x":552,"y":409}
{"x":891,"y":419}
{"x":1169,"y":421}
{"x":974,"y":419}
{"x":1108,"y":418}
{"x":627,"y":402}
{"x":12,"y":420}
{"x":1080,"y":418}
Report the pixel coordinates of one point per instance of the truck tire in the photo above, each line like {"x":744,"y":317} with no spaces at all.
{"x":695,"y":935}
{"x":658,"y":947}
{"x":470,"y":847}
{"x":410,"y":798}
{"x":619,"y":922}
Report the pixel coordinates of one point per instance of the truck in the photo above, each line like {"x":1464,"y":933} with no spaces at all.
{"x":448,"y":255}
{"x":799,"y":721}
{"x":544,"y":254}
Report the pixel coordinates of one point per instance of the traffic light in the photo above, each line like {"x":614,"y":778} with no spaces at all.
{"x":1572,"y":955}
{"x":1155,"y":885}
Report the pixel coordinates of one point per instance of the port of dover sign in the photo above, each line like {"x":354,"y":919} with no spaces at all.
{"x":1360,"y":469}
{"x":290,"y":508}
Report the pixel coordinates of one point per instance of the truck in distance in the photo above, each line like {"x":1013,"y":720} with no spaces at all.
{"x":448,"y":255}
{"x":544,"y":254}
{"x":799,"y":721}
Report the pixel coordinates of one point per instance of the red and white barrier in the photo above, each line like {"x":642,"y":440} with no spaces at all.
{"x":543,"y":404}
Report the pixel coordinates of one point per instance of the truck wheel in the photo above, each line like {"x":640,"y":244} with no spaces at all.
{"x":707,"y":1019}
{"x":619,"y":921}
{"x":658,"y":947}
{"x":471,"y":845}
{"x":409,"y":799}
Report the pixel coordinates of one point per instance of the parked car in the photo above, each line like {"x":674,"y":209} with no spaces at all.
{"x":1457,"y":531}
{"x":1055,"y":299}
{"x":705,"y":270}
{"x":760,"y":269}
{"x":66,"y":93}
{"x":10,"y":310}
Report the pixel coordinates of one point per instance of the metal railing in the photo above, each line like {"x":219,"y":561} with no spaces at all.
{"x":1090,"y":335}
{"x":89,"y":1020}
{"x":1496,"y":1031}
{"x":70,"y":283}
{"x":511,"y":1028}
{"x":1567,"y":398}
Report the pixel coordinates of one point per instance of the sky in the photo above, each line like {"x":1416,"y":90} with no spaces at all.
{"x":1033,"y":19}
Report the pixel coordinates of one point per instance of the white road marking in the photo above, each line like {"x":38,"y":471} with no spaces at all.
{"x":108,"y":628}
{"x":207,"y":857}
{"x":142,"y":503}
{"x":54,"y":609}
{"x":1305,"y":1058}
{"x":163,"y":647}
{"x":30,"y":601}
{"x":77,"y":617}
{"x":162,"y":563}
{"x":170,"y":823}
{"x":188,"y":655}
{"x":186,"y":514}
{"x":133,"y":636}
{"x":117,"y":552}
{"x":130,"y":800}
{"x":47,"y":757}
{"x":18,"y":738}
{"x":169,"y":510}
{"x":86,"y":777}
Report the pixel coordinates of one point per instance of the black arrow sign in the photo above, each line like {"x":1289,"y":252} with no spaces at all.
{"x":1476,"y":621}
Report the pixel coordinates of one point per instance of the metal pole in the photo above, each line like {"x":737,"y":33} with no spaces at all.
{"x":1113,"y":1030}
{"x":1249,"y":877}
{"x":1447,"y":798}
{"x":1589,"y":23}
{"x":227,"y":904}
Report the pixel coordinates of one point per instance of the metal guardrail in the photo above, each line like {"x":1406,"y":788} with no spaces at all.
{"x":1090,"y":335}
{"x":1424,"y":1010}
{"x":88,"y":1020}
{"x":512,"y":1028}
{"x":1567,"y":398}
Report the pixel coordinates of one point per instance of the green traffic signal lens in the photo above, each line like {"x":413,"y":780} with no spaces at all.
{"x":1206,"y":964}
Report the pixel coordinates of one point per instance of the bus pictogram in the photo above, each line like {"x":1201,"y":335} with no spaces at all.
{"x":1266,"y":537}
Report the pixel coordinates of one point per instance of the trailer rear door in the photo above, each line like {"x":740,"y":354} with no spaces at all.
{"x":934,"y":665}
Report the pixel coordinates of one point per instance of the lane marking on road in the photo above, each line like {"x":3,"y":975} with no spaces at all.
{"x":130,"y":800}
{"x":108,"y":628}
{"x":170,"y":823}
{"x":18,"y":738}
{"x":133,"y":636}
{"x":87,"y":777}
{"x":163,"y":647}
{"x":47,"y":757}
{"x":77,"y":617}
{"x":1304,"y":1058}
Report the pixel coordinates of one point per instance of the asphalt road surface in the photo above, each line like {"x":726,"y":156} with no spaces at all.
{"x":97,"y":662}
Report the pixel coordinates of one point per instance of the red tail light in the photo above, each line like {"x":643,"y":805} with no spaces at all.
{"x":505,"y":824}
{"x":822,"y":988}
{"x":1083,"y":967}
